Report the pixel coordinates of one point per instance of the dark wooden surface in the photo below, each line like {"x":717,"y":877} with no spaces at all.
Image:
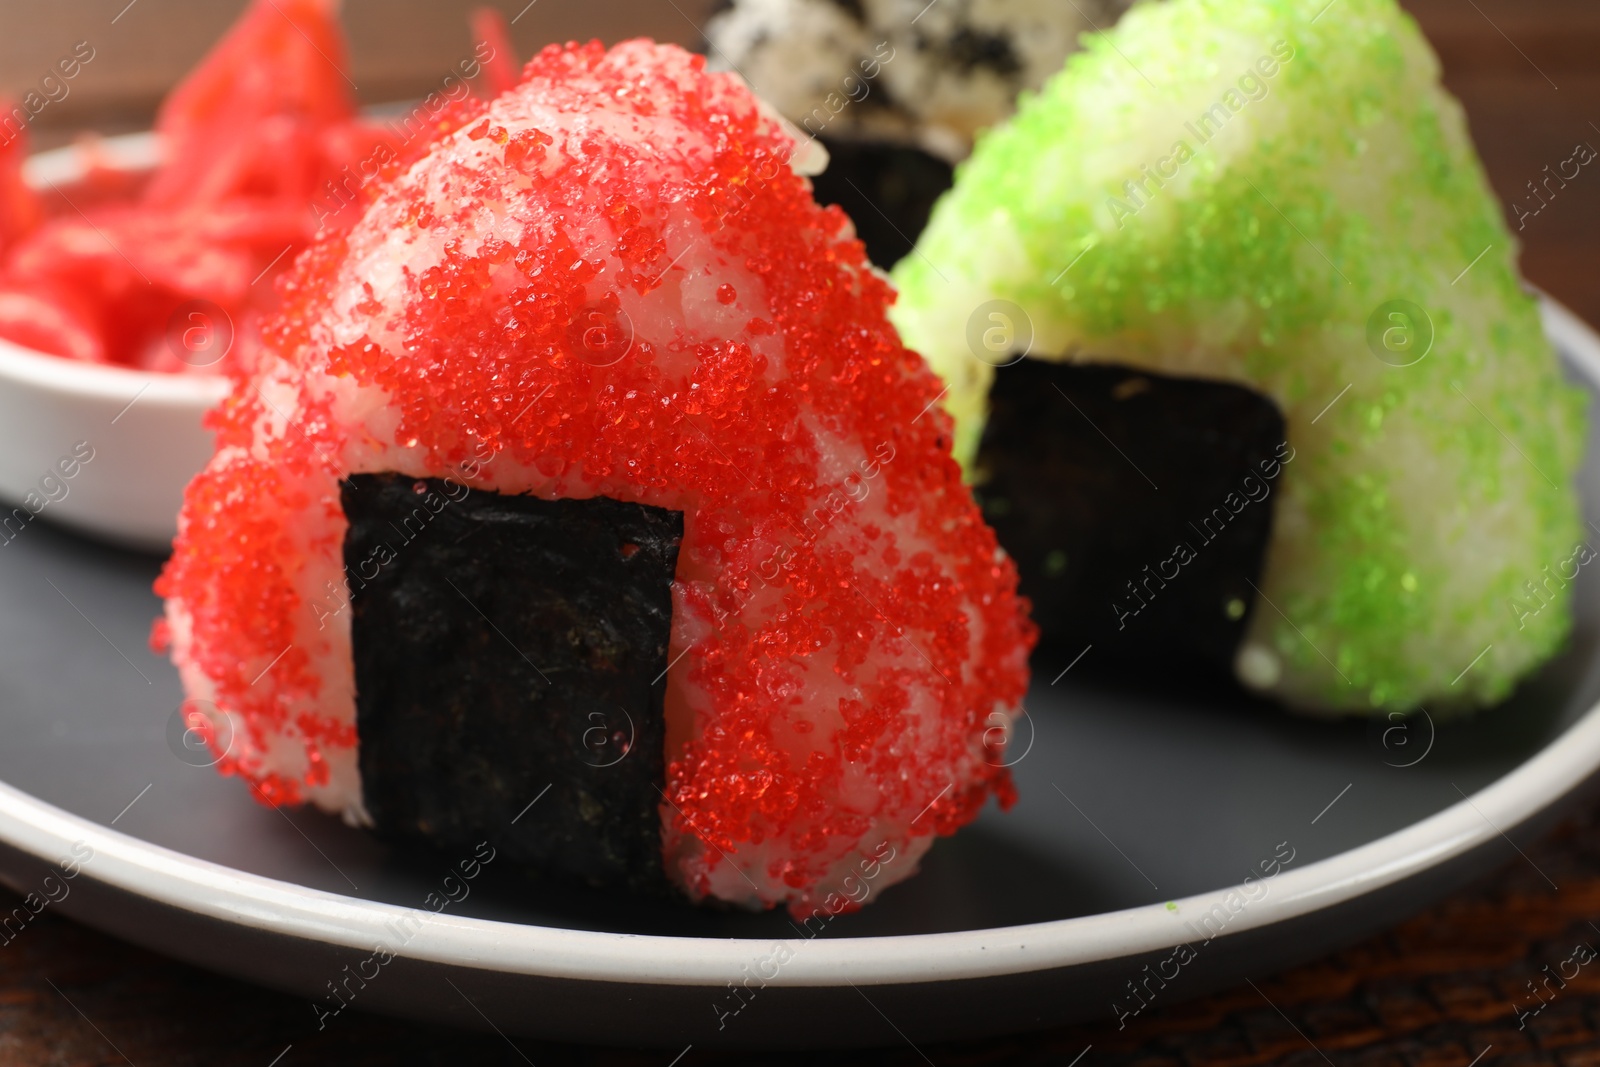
{"x":1440,"y":990}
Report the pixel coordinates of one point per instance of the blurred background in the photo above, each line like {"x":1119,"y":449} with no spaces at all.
{"x":1526,"y":70}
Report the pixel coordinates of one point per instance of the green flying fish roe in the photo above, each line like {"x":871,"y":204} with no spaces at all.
{"x":1235,"y":189}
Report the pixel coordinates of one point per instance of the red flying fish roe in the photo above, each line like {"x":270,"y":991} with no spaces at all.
{"x":613,"y":284}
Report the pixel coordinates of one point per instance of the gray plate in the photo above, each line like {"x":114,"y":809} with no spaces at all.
{"x":1131,"y":797}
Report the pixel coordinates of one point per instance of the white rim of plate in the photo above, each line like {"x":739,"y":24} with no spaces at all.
{"x":222,"y":893}
{"x":42,"y":371}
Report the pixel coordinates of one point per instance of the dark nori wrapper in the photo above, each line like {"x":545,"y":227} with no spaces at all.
{"x":1094,"y":475}
{"x":510,"y":649}
{"x":887,"y":190}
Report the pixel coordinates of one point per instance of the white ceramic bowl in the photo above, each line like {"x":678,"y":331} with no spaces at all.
{"x":143,"y":428}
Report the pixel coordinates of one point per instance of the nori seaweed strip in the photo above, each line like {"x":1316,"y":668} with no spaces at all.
{"x":503,"y":645}
{"x":887,"y":190}
{"x":1093,"y":476}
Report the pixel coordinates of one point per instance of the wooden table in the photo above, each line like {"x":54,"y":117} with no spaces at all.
{"x":1439,"y":990}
